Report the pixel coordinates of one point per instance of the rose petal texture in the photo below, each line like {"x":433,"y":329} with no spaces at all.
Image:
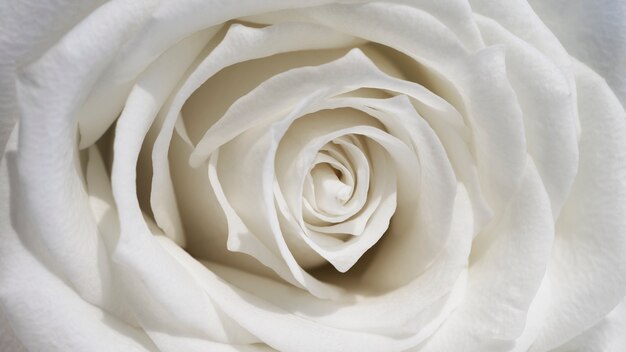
{"x":406,"y":175}
{"x":594,"y":33}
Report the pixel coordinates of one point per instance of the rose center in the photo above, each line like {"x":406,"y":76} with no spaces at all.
{"x":331,"y":192}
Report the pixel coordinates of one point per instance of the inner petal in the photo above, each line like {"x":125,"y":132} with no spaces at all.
{"x":345,"y":159}
{"x":362,"y":145}
{"x":331,"y":193}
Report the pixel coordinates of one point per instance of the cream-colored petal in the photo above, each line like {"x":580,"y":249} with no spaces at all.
{"x":586,"y":276}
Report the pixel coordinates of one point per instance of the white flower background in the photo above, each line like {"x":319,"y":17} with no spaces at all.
{"x":406,"y":175}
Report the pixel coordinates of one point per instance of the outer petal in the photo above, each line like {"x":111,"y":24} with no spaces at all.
{"x":506,"y":268}
{"x":548,"y":105}
{"x":35,"y":299}
{"x":169,"y":306}
{"x":8,"y":340}
{"x":171,"y":21}
{"x":606,"y":336}
{"x":50,"y":91}
{"x":520,"y":19}
{"x":592,"y":31}
{"x":21,"y":44}
{"x":586,"y":276}
{"x":264,"y":319}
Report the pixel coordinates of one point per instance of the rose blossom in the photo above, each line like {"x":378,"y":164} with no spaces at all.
{"x":313,"y":176}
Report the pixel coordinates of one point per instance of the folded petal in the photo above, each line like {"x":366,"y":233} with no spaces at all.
{"x":50,"y":92}
{"x":586,"y":277}
{"x":592,"y":32}
{"x":169,"y":22}
{"x":606,"y":336}
{"x":35,"y":299}
{"x":506,"y":269}
{"x":548,"y":105}
{"x":22,"y":44}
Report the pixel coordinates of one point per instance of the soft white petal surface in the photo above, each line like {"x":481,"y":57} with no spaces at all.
{"x":49,"y":92}
{"x":586,"y":276}
{"x":22,"y":43}
{"x":35,"y":299}
{"x":506,"y":269}
{"x":594,"y":32}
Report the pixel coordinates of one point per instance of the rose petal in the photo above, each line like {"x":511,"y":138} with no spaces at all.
{"x":447,"y":122}
{"x":36,"y":310}
{"x":22,"y":44}
{"x":400,"y":314}
{"x":353,"y":71}
{"x":594,"y":33}
{"x":346,"y":254}
{"x":49,"y":92}
{"x":428,"y":287}
{"x":256,"y":230}
{"x":453,"y":15}
{"x":169,"y":23}
{"x":366,"y":200}
{"x":149,"y":94}
{"x":506,"y":268}
{"x":297,"y":151}
{"x":586,"y":275}
{"x":206,"y":228}
{"x":8,"y":340}
{"x":394,"y":25}
{"x":549,"y":110}
{"x":34,"y":299}
{"x":254,"y":313}
{"x":456,"y":15}
{"x":165,"y":301}
{"x":606,"y":336}
{"x":235,"y":47}
{"x":520,"y":19}
{"x":496,"y":122}
{"x":305,"y":335}
{"x":433,"y":184}
{"x":355,"y":198}
{"x":365,"y":75}
{"x":414,"y":313}
{"x":104,"y":211}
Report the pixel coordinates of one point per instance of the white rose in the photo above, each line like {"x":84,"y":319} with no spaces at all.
{"x":312,"y":176}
